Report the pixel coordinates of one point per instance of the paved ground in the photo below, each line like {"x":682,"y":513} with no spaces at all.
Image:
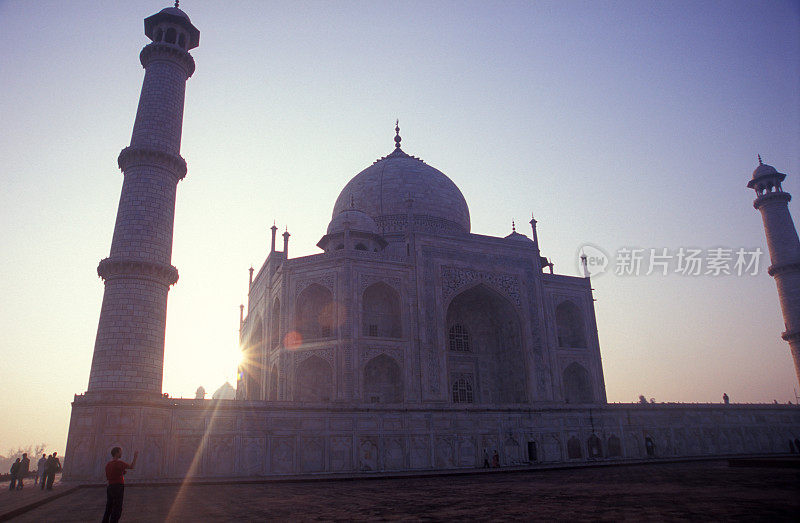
{"x":697,"y":490}
{"x":29,"y":494}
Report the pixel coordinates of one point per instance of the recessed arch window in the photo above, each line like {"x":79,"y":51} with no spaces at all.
{"x":577,"y":384}
{"x":315,"y":313}
{"x":159,"y":35}
{"x":382,"y":381}
{"x":569,"y":326}
{"x":182,"y":40}
{"x":574,"y":450}
{"x":462,"y":391}
{"x":380,"y":310}
{"x":171,"y":35}
{"x":459,"y":338}
{"x":313,"y":380}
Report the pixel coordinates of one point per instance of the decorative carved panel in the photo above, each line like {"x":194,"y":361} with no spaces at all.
{"x":326,"y":280}
{"x":456,"y":278}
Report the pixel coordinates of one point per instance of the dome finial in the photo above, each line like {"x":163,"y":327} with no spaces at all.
{"x":177,"y":2}
{"x":397,"y":136}
{"x":759,"y":160}
{"x":513,"y":226}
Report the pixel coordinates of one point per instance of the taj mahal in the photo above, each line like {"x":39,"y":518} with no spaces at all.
{"x":408,"y":343}
{"x":406,"y":307}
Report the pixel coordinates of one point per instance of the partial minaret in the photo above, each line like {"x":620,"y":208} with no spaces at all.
{"x":784,"y":249}
{"x":129,"y":348}
{"x":274,"y":230}
{"x":286,"y":243}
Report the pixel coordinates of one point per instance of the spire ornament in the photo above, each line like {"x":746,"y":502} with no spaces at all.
{"x":759,"y":160}
{"x":397,"y":138}
{"x":177,"y":4}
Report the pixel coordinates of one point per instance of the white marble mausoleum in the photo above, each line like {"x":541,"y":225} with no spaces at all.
{"x":408,"y":343}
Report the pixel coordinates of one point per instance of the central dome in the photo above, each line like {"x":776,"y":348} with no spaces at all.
{"x":398,"y":185}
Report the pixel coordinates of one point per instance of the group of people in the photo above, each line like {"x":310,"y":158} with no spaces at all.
{"x":48,"y":466}
{"x":46,"y":469}
{"x":495,"y":459}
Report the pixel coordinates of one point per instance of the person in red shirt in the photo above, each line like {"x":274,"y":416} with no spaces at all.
{"x":115,"y":474}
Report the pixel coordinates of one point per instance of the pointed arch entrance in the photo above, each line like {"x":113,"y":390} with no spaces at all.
{"x":492,"y":360}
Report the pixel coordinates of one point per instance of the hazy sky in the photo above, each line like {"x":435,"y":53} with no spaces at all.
{"x":620,"y":124}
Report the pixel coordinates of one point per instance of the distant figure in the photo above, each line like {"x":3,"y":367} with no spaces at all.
{"x":200,"y":393}
{"x":13,"y":471}
{"x":51,"y":466}
{"x":22,"y":471}
{"x":725,"y":399}
{"x":40,"y":470}
{"x":115,"y":474}
{"x":496,"y":460}
{"x":485,"y":459}
{"x":44,"y":476}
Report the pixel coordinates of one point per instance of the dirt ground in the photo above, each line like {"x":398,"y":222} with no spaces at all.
{"x":655,"y":492}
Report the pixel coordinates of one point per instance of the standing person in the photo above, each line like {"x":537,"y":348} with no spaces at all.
{"x":115,"y":474}
{"x":13,"y":471}
{"x":40,"y":470}
{"x":52,"y":466}
{"x":47,"y":463}
{"x":22,"y":471}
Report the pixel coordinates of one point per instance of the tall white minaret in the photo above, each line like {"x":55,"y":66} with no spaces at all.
{"x":129,"y":348}
{"x":784,"y":249}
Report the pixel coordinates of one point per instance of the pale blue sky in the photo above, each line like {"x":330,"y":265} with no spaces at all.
{"x":622,"y":124}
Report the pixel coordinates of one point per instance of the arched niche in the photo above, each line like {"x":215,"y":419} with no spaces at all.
{"x":494,"y":356}
{"x":314,"y":313}
{"x":383,"y":381}
{"x":380,"y":311}
{"x":275,"y":324}
{"x":570,"y":326}
{"x":614,"y":447}
{"x":577,"y":384}
{"x":594,"y":447}
{"x":313,"y":380}
{"x":574,"y":450}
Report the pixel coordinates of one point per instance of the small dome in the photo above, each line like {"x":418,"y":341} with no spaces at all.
{"x":518,"y":237}
{"x":175,"y":12}
{"x":354,"y":219}
{"x":398,"y":184}
{"x":764,"y":169}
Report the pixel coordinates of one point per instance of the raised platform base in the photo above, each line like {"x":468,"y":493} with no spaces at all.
{"x":208,"y":439}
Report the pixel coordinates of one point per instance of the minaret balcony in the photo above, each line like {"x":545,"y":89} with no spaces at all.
{"x":776,"y":196}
